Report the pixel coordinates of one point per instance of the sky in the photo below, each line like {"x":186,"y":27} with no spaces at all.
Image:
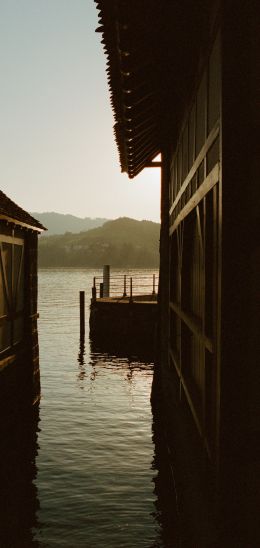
{"x":57,"y":148}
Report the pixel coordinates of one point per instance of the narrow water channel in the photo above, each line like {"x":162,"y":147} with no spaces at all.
{"x":88,"y":473}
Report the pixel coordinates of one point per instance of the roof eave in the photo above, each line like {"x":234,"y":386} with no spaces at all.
{"x":27,"y":226}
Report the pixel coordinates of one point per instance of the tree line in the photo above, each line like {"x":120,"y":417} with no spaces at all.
{"x":120,"y":243}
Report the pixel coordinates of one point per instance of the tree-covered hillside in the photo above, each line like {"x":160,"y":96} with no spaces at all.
{"x":123,"y":242}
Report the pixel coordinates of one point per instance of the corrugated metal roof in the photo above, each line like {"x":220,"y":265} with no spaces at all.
{"x":11,"y":211}
{"x":152,"y":48}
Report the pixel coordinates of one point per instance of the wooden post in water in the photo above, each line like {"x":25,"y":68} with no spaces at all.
{"x":82,"y":313}
{"x":131,"y":290}
{"x":106,"y":280}
{"x":124,"y":294}
{"x":153,"y":284}
{"x":101,"y":291}
{"x":94,"y":290}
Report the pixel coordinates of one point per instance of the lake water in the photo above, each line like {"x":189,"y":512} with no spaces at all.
{"x":90,"y":474}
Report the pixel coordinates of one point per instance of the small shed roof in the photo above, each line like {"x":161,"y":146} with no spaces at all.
{"x":152,"y":50}
{"x":11,"y":212}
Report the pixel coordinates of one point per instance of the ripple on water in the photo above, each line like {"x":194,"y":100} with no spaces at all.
{"x":95,"y":479}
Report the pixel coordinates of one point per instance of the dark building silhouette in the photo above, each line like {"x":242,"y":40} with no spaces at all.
{"x":19,"y":352}
{"x":183,"y":81}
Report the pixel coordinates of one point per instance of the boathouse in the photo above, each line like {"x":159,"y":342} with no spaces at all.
{"x":183,"y":81}
{"x":19,"y":351}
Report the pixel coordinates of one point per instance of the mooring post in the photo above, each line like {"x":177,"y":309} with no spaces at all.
{"x":124,"y":294}
{"x":94,"y":290}
{"x":153,"y":284}
{"x":82,"y":313}
{"x":131,"y":290}
{"x":101,"y":290}
{"x":106,"y":280}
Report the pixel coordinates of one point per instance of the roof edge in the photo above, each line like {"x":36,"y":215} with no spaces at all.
{"x":12,"y":220}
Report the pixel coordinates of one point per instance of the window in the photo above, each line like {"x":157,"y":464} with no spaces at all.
{"x":11,"y":291}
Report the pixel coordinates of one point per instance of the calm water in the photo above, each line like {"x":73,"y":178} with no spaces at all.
{"x":88,"y":473}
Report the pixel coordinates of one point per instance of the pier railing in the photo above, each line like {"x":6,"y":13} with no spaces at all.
{"x":126,"y":286}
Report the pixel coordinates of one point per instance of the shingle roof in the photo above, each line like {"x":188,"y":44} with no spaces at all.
{"x":11,"y":211}
{"x":152,"y":50}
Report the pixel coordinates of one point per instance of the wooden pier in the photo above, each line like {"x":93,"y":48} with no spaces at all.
{"x":126,"y":321}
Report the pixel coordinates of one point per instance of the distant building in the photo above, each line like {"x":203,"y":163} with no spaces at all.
{"x":19,"y":352}
{"x":183,"y":79}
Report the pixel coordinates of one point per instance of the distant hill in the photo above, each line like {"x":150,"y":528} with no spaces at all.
{"x":122,"y":243}
{"x":58,"y":223}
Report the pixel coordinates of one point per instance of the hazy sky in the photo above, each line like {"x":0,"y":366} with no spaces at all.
{"x":57,"y":149}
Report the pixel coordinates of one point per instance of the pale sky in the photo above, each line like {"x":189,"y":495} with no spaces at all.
{"x":57,"y":148}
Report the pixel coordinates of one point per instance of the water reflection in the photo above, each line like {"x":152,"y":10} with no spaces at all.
{"x":81,"y":361}
{"x":18,"y":493}
{"x":166,"y":509}
{"x":131,"y":349}
{"x":165,"y":512}
{"x":98,"y":477}
{"x":130,"y":365}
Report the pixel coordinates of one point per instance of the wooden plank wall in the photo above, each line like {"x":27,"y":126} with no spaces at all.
{"x":195,"y":255}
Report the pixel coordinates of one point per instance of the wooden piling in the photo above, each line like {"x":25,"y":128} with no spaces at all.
{"x":153,"y":284}
{"x":94,"y":293}
{"x":82,"y":313}
{"x":106,"y":280}
{"x":131,"y":290}
{"x":94,"y":290}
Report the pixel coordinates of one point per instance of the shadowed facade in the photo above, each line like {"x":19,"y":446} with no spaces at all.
{"x":19,"y":351}
{"x":182,"y":77}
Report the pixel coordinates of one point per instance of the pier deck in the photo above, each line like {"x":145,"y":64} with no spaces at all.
{"x":125,"y":323}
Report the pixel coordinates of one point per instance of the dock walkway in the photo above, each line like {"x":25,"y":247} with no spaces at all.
{"x":128,"y":321}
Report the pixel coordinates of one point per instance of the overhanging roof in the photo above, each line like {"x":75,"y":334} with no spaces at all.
{"x":152,"y":49}
{"x":12,"y":213}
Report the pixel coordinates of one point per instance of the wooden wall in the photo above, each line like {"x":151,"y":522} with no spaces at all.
{"x":19,"y":351}
{"x":195,"y":247}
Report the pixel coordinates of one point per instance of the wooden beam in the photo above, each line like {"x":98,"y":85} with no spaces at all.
{"x":194,"y":325}
{"x":210,"y":181}
{"x":187,"y":393}
{"x":209,"y":142}
{"x":11,"y":240}
{"x":153,"y":164}
{"x":7,"y":361}
{"x":19,"y":223}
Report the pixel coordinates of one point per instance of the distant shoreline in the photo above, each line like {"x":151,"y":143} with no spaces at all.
{"x":122,"y":268}
{"x":122,"y":243}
